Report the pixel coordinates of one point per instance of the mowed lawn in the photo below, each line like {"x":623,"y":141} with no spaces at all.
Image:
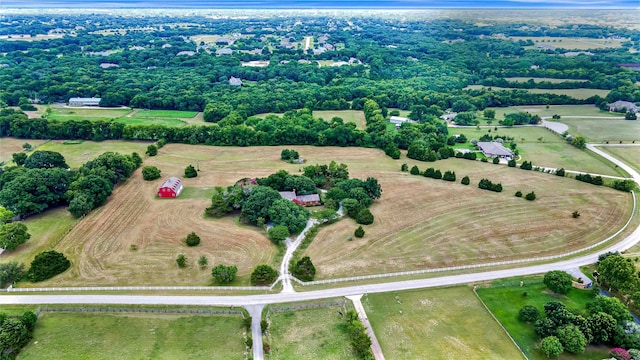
{"x":9,"y":146}
{"x":135,"y":336}
{"x":309,"y":334}
{"x":446,"y":323}
{"x":601,"y":130}
{"x":630,"y":155}
{"x":545,"y":148}
{"x":580,"y":94}
{"x":78,"y":153}
{"x":423,"y":223}
{"x":505,"y":299}
{"x":354,"y":116}
{"x":543,"y":111}
{"x":126,"y":116}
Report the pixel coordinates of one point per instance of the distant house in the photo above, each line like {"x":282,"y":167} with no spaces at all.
{"x":92,"y":101}
{"x":234,"y":81}
{"x":620,"y":106}
{"x":399,"y":120}
{"x":224,"y":51}
{"x":186,"y":52}
{"x":304,"y":200}
{"x":449,"y":116}
{"x":109,"y":65}
{"x":576,"y":53}
{"x":494,"y":149}
{"x":170,"y":188}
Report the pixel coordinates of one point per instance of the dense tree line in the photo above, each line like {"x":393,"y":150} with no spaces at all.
{"x":15,"y":333}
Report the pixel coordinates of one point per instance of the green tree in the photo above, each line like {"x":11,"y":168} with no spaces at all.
{"x":137,"y":160}
{"x":203,"y":261}
{"x":619,"y":273}
{"x":190,"y":172}
{"x":181,"y":261}
{"x":579,"y":142}
{"x":518,"y":193}
{"x":12,"y":235}
{"x":19,"y":158}
{"x":496,"y":160}
{"x":192,"y":239}
{"x":6,"y":215}
{"x":489,"y":113}
{"x":97,"y":188}
{"x":630,"y":115}
{"x":551,"y":346}
{"x":611,"y":306}
{"x":404,"y":167}
{"x":219,"y":205}
{"x":511,"y":163}
{"x":258,"y":203}
{"x":263,"y":275}
{"x":29,"y":319}
{"x":530,"y":196}
{"x":303,"y":269}
{"x":224,"y":274}
{"x":558,"y":281}
{"x":81,"y":205}
{"x":359,"y":232}
{"x":278,"y":233}
{"x":10,"y":272}
{"x":289,"y":214}
{"x":47,"y":265}
{"x":465,"y":180}
{"x":364,"y":217}
{"x":152,"y":150}
{"x":150,"y":173}
{"x":602,"y":326}
{"x":560,"y":172}
{"x":529,"y":313}
{"x":13,"y":336}
{"x":572,"y":339}
{"x":45,"y":160}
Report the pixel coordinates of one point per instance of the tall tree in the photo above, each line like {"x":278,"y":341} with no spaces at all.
{"x":45,"y":160}
{"x":12,"y":235}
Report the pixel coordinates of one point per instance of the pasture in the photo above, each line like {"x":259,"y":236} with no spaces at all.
{"x":420,"y":222}
{"x":423,"y":223}
{"x":9,"y":146}
{"x":538,"y":79}
{"x":78,"y":153}
{"x":571,"y":43}
{"x":318,"y":333}
{"x":545,"y":148}
{"x":542,"y":111}
{"x":580,"y":94}
{"x":504,"y":299}
{"x":629,"y":154}
{"x":453,"y":320}
{"x":354,"y":116}
{"x":602,"y":130}
{"x":126,"y":116}
{"x":136,"y":336}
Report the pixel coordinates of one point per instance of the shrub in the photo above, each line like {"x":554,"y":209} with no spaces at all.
{"x":511,"y":163}
{"x":575,"y":214}
{"x":437,"y":175}
{"x":496,"y":160}
{"x":279,"y":233}
{"x":526,"y":165}
{"x":150,"y":173}
{"x":190,"y":172}
{"x":359,"y":232}
{"x":529,"y":313}
{"x":404,"y":167}
{"x":558,"y":281}
{"x":449,"y":176}
{"x":289,"y":155}
{"x":518,"y":193}
{"x":530,"y":196}
{"x":303,"y":269}
{"x":364,"y":217}
{"x":224,"y":274}
{"x":414,"y":170}
{"x":620,"y":354}
{"x":486,"y":184}
{"x":192,"y":239}
{"x":263,"y":275}
{"x":181,"y":261}
{"x":551,"y":346}
{"x":430,"y":173}
{"x":560,"y":172}
{"x":152,"y":150}
{"x":47,"y":265}
{"x":465,"y":181}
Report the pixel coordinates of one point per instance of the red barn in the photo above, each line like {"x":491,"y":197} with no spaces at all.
{"x":170,"y":188}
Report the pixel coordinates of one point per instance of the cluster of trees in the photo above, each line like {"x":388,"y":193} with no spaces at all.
{"x":595,"y":180}
{"x":520,"y":118}
{"x":263,"y":275}
{"x":619,"y":274}
{"x":530,"y":196}
{"x":47,"y":265}
{"x":470,"y":155}
{"x":15,"y":333}
{"x":355,"y":196}
{"x":224,"y":274}
{"x":360,"y":341}
{"x":12,"y":233}
{"x":190,"y":172}
{"x":289,"y":155}
{"x":326,"y":176}
{"x":486,"y":184}
{"x":303,"y":269}
{"x":526,"y":165}
{"x":432,"y":173}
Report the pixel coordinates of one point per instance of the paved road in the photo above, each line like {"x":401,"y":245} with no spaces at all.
{"x":256,"y":331}
{"x":291,"y":248}
{"x":362,"y":315}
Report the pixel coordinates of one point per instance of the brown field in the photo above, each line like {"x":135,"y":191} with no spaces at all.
{"x":420,"y":222}
{"x":425,"y":223}
{"x":8,"y":146}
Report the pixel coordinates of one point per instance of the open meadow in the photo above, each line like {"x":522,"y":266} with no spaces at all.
{"x":504,"y":298}
{"x":539,"y":79}
{"x":9,"y":146}
{"x":354,"y":116}
{"x":126,"y":116}
{"x":543,"y":111}
{"x":136,"y":336}
{"x":545,"y":148}
{"x":629,"y":154}
{"x":425,"y":223}
{"x":420,"y":223}
{"x":580,"y":94}
{"x":446,"y":323}
{"x":602,"y":130}
{"x":318,"y":333}
{"x":77,"y":153}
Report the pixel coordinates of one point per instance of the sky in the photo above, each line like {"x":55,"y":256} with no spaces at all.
{"x":328,"y":4}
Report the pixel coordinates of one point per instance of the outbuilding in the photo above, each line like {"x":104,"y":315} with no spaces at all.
{"x":170,"y":188}
{"x":76,"y":101}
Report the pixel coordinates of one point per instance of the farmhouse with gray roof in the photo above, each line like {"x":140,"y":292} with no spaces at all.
{"x":76,"y":101}
{"x":620,"y":105}
{"x":234,"y":81}
{"x":494,"y":149}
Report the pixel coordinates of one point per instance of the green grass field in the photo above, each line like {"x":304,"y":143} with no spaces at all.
{"x":354,"y":116}
{"x":574,"y":93}
{"x":571,"y":43}
{"x":309,"y":334}
{"x":538,"y":79}
{"x":135,"y":336}
{"x":65,"y":114}
{"x":544,"y":148}
{"x":149,"y":121}
{"x":447,"y":323}
{"x":126,"y":116}
{"x":77,"y":154}
{"x":630,"y":155}
{"x":601,"y":130}
{"x":46,"y":230}
{"x":165,"y":113}
{"x":505,"y":299}
{"x":543,"y":111}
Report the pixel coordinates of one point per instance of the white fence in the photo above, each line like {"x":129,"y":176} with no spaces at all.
{"x":141,"y":288}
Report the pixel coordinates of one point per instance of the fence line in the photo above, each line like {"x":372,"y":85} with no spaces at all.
{"x":140,"y":310}
{"x":305,"y":306}
{"x":139,"y":288}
